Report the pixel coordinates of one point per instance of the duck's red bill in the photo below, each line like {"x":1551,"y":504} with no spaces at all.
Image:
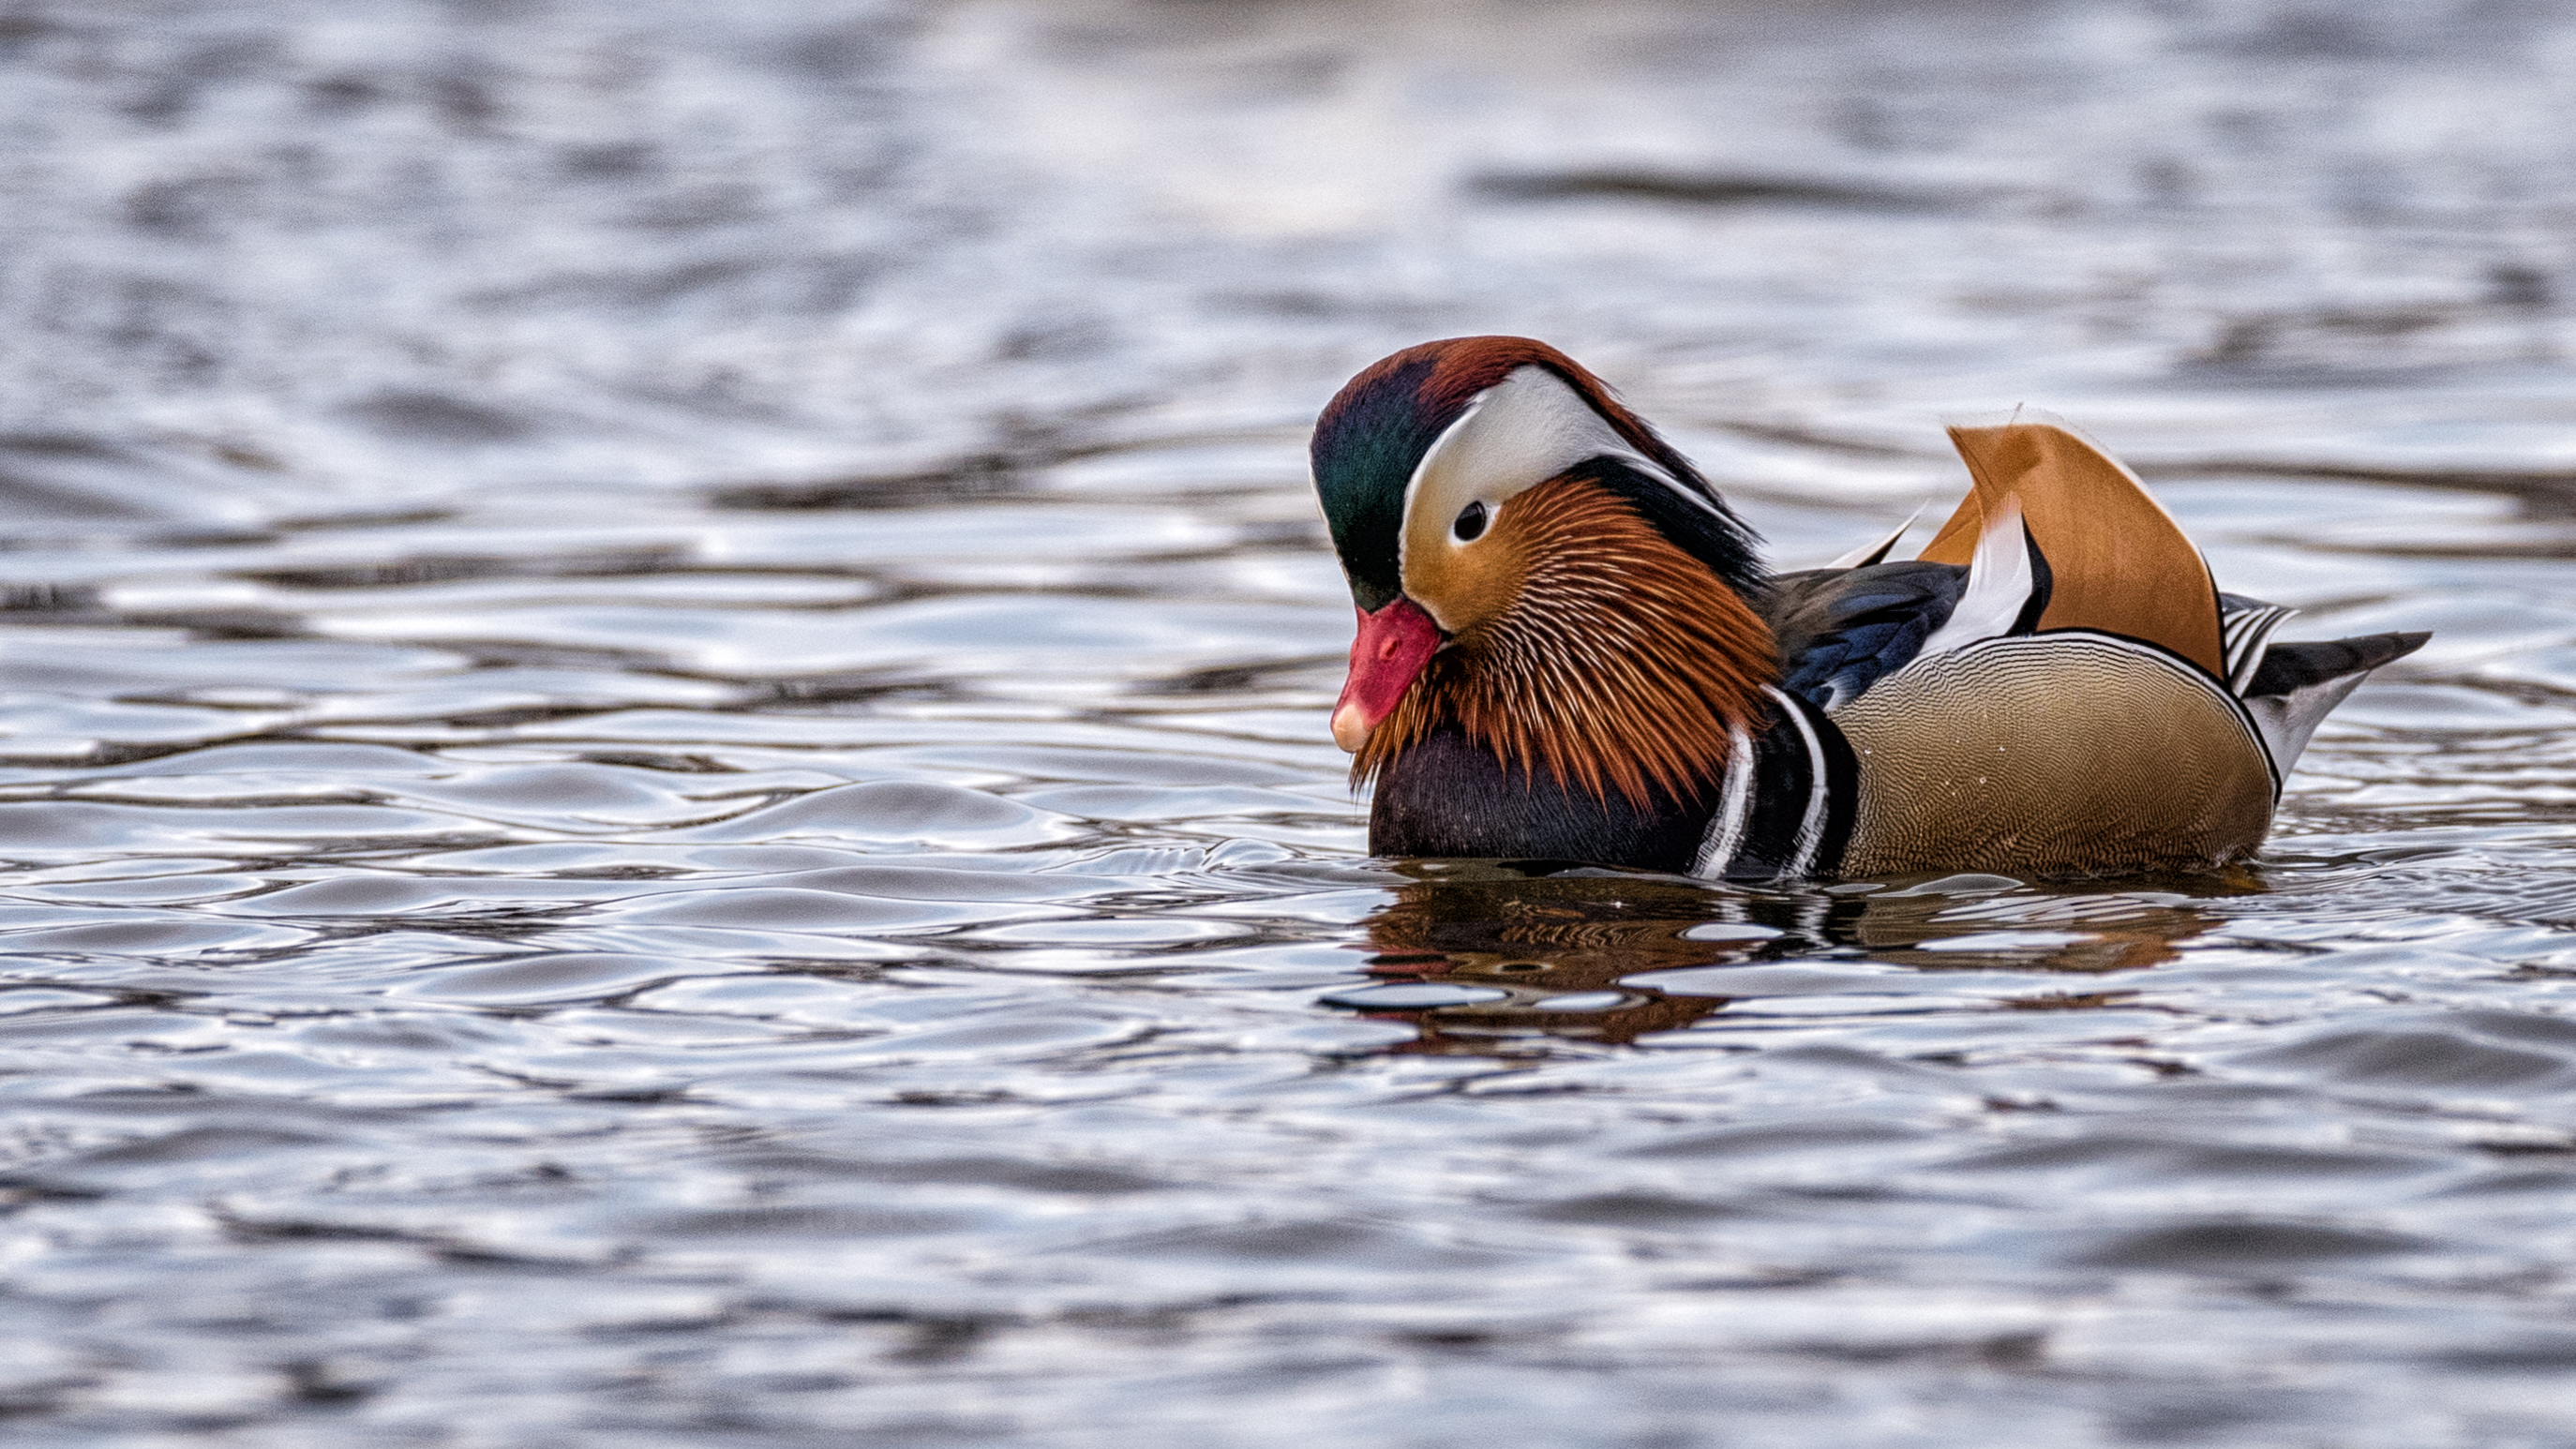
{"x":1394,"y":644}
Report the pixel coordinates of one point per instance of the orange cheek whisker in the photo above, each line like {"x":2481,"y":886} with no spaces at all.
{"x":1618,"y":662}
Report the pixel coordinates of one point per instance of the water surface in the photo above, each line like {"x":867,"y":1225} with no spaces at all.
{"x":666,"y":781}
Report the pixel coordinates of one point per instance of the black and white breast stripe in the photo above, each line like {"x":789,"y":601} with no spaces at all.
{"x":1785,"y":810}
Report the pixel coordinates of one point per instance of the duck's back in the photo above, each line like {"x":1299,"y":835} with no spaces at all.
{"x":2056,"y":687}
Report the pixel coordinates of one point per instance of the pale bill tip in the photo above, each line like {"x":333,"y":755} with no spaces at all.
{"x":1350,"y":729}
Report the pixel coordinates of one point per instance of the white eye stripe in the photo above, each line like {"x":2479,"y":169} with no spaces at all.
{"x":1513,"y":436}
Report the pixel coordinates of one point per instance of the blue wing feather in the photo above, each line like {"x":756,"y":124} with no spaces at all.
{"x":1842,"y":630}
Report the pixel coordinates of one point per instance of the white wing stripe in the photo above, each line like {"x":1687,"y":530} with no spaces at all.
{"x":1870,"y":553}
{"x":1999,"y":585}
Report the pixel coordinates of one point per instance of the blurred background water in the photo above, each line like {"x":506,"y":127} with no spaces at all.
{"x":665,"y":666}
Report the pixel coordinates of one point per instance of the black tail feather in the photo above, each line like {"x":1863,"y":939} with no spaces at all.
{"x":2288,"y":668}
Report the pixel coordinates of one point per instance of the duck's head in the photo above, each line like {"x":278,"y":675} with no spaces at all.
{"x":1533,"y":564}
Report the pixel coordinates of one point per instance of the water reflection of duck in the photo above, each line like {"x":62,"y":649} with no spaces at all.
{"x":1486,"y":958}
{"x":1545,"y":951}
{"x":1567,"y":648}
{"x":1983,"y":922}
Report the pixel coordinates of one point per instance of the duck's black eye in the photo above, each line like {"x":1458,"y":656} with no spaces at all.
{"x":1471,"y":523}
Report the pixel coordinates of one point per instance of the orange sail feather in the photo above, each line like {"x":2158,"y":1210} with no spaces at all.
{"x":2118,"y":562}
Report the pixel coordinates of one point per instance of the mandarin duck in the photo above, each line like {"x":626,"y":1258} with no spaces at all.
{"x":1569,"y":650}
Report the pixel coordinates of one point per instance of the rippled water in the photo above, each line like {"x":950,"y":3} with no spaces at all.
{"x":666,"y":781}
